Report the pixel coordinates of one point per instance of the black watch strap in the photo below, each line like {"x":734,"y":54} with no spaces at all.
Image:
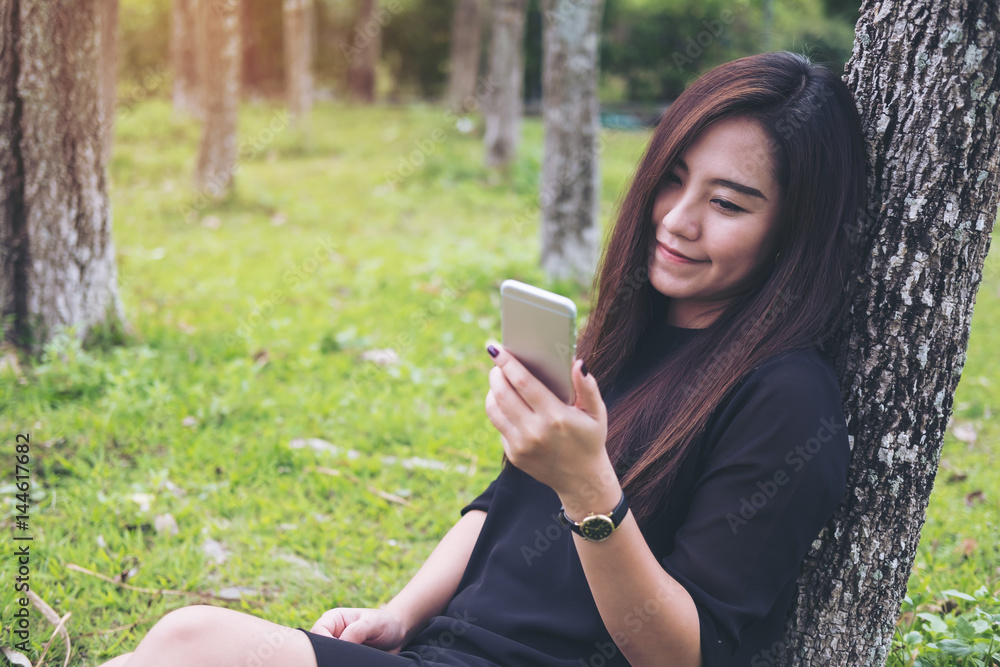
{"x":597,"y":527}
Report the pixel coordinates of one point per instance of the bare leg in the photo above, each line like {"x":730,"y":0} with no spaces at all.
{"x":205,"y":636}
{"x":120,"y":661}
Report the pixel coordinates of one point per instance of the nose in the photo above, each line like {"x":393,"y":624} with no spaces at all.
{"x":682,"y":217}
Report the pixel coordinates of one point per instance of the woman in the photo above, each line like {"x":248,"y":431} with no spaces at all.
{"x":663,"y":518}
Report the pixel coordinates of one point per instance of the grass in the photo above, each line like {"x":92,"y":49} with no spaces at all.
{"x":378,"y":228}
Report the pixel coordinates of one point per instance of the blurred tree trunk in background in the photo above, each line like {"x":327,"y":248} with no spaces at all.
{"x":219,"y":74}
{"x":934,"y":187}
{"x":108,"y":21}
{"x":504,"y":111}
{"x":184,"y":56}
{"x":298,"y":23}
{"x":571,"y":187}
{"x":57,"y":265}
{"x":466,"y":36}
{"x":363,"y":53}
{"x":251,"y":55}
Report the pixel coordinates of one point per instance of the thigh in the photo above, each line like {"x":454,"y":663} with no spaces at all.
{"x":206,"y":636}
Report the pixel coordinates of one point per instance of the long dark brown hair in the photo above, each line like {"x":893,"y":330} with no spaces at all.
{"x":795,"y":301}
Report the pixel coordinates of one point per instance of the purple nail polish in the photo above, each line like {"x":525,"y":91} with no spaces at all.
{"x":493,"y":351}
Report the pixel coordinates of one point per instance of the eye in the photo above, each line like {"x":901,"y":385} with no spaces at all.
{"x":669,"y":179}
{"x":728,"y":206}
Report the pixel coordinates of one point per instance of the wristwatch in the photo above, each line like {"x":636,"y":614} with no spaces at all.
{"x":597,"y":527}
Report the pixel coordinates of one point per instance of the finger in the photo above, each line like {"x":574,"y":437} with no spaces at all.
{"x":333,"y":621}
{"x":531,"y":390}
{"x":320,"y":629}
{"x":588,"y":394}
{"x":358,"y":631}
{"x":497,"y":417}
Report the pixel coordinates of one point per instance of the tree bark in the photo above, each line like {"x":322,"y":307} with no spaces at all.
{"x":219,"y":60}
{"x":298,"y":26}
{"x":503,"y":113}
{"x":57,"y":268}
{"x":108,"y":21}
{"x":184,"y":56}
{"x":571,"y":187}
{"x":363,"y":53}
{"x":926,"y":76}
{"x":466,"y":36}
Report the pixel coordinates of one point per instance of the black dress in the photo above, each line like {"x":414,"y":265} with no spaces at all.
{"x":746,"y":505}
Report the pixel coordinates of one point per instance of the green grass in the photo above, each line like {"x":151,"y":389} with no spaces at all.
{"x":249,"y":320}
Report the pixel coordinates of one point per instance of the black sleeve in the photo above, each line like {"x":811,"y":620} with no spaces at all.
{"x":483,"y":500}
{"x":775,"y":471}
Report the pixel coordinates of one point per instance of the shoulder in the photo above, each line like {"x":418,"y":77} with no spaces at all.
{"x":803,"y":377}
{"x":790,"y":401}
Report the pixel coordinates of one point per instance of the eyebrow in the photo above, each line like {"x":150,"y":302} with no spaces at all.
{"x":732,"y":185}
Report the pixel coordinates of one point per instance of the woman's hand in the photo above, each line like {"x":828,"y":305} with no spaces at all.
{"x":379,"y":628}
{"x":560,"y":445}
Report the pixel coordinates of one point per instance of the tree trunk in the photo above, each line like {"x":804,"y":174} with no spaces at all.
{"x":251,"y":56}
{"x":219,"y":72}
{"x":184,"y":56}
{"x":503,"y":114}
{"x":298,"y":58}
{"x":57,"y":268}
{"x":571,"y":187}
{"x":108,"y":22}
{"x":363,"y":53}
{"x":466,"y":34}
{"x":926,"y":75}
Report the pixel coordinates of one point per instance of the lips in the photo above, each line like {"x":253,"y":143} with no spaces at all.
{"x":674,"y":252}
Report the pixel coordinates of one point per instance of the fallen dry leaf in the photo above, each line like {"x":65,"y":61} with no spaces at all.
{"x":382,"y":357}
{"x":964,"y":431}
{"x":968,"y":546}
{"x":976,"y":496}
{"x":15,"y":657}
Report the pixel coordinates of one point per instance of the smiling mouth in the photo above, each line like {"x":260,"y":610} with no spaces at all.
{"x":674,"y":255}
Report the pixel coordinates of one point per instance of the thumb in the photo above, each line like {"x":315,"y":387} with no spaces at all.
{"x":357,"y":632}
{"x":588,"y":394}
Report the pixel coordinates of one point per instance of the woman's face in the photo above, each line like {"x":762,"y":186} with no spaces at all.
{"x":717,"y":206}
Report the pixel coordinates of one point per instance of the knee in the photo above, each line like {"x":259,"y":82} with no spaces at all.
{"x":186,"y":624}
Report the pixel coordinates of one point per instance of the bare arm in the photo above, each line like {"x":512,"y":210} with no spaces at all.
{"x":435,"y":583}
{"x":646,"y":611}
{"x":426,"y":595}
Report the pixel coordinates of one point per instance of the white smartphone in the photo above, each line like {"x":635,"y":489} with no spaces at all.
{"x":539,"y":328}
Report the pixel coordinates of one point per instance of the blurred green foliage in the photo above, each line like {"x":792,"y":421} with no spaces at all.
{"x":650,"y":49}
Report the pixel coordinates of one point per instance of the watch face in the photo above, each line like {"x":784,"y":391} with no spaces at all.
{"x":596,"y":527}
